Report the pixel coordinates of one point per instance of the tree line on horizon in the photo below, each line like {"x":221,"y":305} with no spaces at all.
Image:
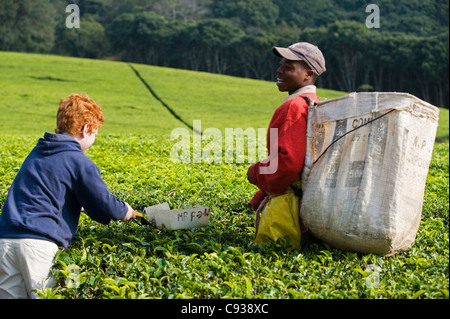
{"x":407,"y":53}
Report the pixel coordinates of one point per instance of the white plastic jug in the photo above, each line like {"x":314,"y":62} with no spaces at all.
{"x":160,"y":216}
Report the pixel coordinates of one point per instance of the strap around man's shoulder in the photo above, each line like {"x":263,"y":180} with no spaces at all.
{"x":308,"y":100}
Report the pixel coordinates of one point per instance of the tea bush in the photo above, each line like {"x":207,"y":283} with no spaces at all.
{"x":129,"y":260}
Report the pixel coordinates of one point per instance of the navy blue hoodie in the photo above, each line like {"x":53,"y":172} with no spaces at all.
{"x":53,"y":183}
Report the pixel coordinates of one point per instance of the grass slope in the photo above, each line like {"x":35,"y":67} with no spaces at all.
{"x":31,"y":86}
{"x":442,"y":134}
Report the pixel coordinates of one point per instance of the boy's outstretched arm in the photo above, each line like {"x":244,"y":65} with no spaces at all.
{"x":130,"y":213}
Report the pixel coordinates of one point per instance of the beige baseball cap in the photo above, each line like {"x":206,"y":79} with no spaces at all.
{"x":303,"y":51}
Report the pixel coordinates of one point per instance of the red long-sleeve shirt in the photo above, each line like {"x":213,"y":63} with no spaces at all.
{"x":290,"y":119}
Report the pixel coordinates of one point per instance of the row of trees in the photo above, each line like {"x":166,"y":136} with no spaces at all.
{"x":409,"y":52}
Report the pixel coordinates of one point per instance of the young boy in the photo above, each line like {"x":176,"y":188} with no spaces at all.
{"x":300,"y":65}
{"x":43,"y":206}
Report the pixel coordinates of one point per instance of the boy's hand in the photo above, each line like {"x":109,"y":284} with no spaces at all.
{"x":130,"y":213}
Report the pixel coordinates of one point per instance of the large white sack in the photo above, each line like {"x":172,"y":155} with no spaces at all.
{"x":365,"y":170}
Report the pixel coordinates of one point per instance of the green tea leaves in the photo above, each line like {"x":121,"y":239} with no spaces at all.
{"x":127,"y":260}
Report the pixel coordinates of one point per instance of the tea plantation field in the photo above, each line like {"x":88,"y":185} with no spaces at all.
{"x":128,"y":260}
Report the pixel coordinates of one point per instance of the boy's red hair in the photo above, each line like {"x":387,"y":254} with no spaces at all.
{"x":76,"y":111}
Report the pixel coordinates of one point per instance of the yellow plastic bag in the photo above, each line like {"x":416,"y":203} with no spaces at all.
{"x":279,"y":217}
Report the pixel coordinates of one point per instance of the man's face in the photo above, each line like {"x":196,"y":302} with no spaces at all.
{"x":292,"y":75}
